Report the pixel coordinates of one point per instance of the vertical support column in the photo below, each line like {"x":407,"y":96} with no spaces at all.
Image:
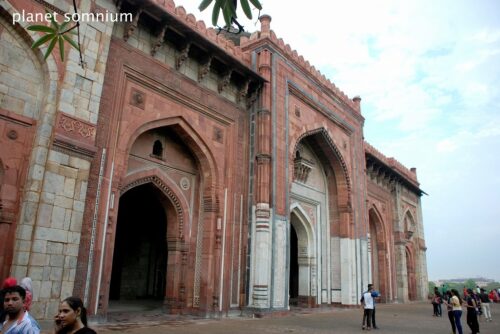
{"x":262,"y":253}
{"x":401,"y":288}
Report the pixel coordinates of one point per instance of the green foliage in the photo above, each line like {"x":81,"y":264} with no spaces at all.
{"x":228,"y":9}
{"x":470,"y":284}
{"x":54,"y":34}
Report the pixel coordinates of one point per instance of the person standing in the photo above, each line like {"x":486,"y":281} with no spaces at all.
{"x":471,"y":312}
{"x":449,"y":307}
{"x":18,"y":320}
{"x":456,"y":304}
{"x":485,"y":304}
{"x":367,"y":308}
{"x":72,"y":317}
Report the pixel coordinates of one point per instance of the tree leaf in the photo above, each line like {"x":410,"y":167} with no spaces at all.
{"x":42,"y":40}
{"x":71,"y":41}
{"x":204,"y":4}
{"x":61,"y":47}
{"x":215,"y":12}
{"x":51,"y":47}
{"x":62,"y":28}
{"x":41,"y":29}
{"x":226,"y":12}
{"x":246,"y":8}
{"x":257,"y":4}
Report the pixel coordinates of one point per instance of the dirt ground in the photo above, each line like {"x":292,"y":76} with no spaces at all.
{"x":391,"y":318}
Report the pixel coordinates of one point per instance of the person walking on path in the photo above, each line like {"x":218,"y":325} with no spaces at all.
{"x":449,"y":307}
{"x":367,"y":308}
{"x":485,"y":304}
{"x":471,"y":312}
{"x":18,"y":320}
{"x":456,"y":304}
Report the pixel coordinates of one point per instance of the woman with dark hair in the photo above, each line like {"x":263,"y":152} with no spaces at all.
{"x":72,"y":317}
{"x":456,"y":305}
{"x":449,"y":307}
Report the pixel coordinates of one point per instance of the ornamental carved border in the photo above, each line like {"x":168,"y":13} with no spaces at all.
{"x":166,"y":190}
{"x":75,"y":128}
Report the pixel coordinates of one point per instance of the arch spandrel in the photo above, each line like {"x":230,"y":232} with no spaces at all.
{"x":201,"y":151}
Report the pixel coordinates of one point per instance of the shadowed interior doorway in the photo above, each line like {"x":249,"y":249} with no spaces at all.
{"x":294,"y":268}
{"x":140,"y":254}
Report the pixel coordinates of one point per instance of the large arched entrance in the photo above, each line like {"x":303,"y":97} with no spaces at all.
{"x":140,"y":254}
{"x":377,"y":250}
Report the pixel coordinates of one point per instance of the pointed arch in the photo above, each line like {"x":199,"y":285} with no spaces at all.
{"x":158,"y":178}
{"x":305,"y":229}
{"x":340,"y":202}
{"x":200,"y":150}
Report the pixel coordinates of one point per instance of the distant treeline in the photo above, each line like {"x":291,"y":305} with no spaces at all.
{"x":470,"y":283}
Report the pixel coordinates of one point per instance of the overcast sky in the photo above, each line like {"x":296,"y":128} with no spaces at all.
{"x":428,"y":73}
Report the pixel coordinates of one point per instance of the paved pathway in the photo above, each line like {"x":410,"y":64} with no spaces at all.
{"x":392,"y":318}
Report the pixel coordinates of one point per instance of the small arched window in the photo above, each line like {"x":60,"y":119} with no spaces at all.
{"x":158,"y":149}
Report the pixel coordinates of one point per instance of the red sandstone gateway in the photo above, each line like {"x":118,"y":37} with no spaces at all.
{"x":184,"y":169}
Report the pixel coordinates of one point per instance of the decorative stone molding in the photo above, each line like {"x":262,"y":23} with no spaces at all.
{"x":224,"y":81}
{"x":242,"y":94}
{"x":167,"y":191}
{"x":74,"y":136}
{"x":204,"y":69}
{"x":159,"y":40}
{"x":132,"y":26}
{"x":183,"y":56}
{"x":263,"y":159}
{"x":138,"y":99}
{"x":76,"y":128}
{"x":301,"y":169}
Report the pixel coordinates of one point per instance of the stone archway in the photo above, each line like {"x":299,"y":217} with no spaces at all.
{"x":410,"y":273}
{"x":302,"y":285}
{"x":379,"y":259}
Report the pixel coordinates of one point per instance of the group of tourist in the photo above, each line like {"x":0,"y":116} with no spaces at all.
{"x":475,"y":302}
{"x":15,"y":303}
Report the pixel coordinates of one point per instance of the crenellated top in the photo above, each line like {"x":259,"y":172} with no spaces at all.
{"x":191,"y":36}
{"x":375,"y":157}
{"x":286,"y":49}
{"x":199,"y":26}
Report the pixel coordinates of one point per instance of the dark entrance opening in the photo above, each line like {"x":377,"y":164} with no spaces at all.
{"x":140,"y":254}
{"x":294,"y":268}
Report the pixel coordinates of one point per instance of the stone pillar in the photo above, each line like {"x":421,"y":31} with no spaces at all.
{"x":262,"y":252}
{"x":400,"y":268}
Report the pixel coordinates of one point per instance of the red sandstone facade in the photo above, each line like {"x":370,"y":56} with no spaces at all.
{"x":210,"y":176}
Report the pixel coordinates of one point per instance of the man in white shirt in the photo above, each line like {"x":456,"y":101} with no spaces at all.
{"x":368,"y":304}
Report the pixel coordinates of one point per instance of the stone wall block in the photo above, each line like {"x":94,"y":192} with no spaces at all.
{"x":76,"y":221}
{"x":74,"y":237}
{"x":20,"y":271}
{"x":39,"y":259}
{"x":69,"y":186}
{"x":71,"y":249}
{"x":40,"y":246}
{"x":23,"y":245}
{"x":63,"y":202}
{"x":66,"y":289}
{"x":58,"y":157}
{"x":47,"y":198}
{"x":54,"y":247}
{"x":56,"y":271}
{"x":54,"y":183}
{"x":58,"y":215}
{"x":45,"y":212}
{"x":70,"y":262}
{"x":51,"y":234}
